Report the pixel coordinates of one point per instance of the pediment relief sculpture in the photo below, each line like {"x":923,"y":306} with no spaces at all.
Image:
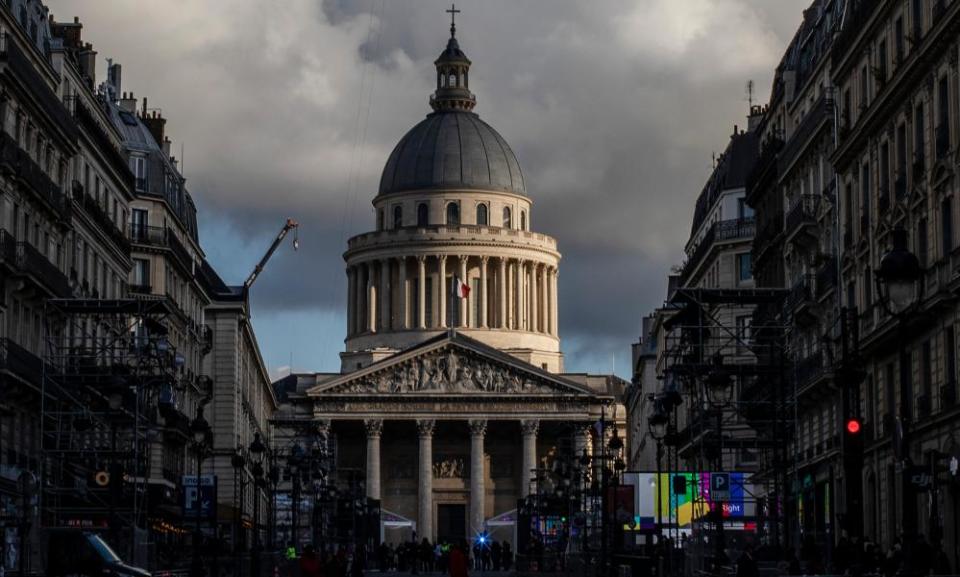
{"x":444,"y":372}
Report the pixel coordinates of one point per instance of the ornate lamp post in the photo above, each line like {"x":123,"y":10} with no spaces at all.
{"x":257,"y":449}
{"x":237,"y":461}
{"x":897,"y":280}
{"x":200,"y":429}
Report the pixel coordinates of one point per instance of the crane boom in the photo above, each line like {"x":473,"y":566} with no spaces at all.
{"x":287,"y":227}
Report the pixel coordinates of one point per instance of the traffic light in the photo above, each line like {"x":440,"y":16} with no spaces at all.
{"x":852,"y":449}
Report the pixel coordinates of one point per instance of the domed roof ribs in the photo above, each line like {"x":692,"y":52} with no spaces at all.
{"x":452,"y":148}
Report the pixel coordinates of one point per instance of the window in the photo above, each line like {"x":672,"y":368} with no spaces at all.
{"x":898,"y":39}
{"x":423,"y":214}
{"x":923,"y":248}
{"x":885,"y":171}
{"x":139,"y":166}
{"x":743,"y":209}
{"x":917,"y":20}
{"x":889,"y":391}
{"x":946,"y":224}
{"x":141,"y":272}
{"x":507,"y":217}
{"x":743,"y":333}
{"x":919,"y":158}
{"x":397,"y":216}
{"x":943,"y":118}
{"x":453,"y":81}
{"x":901,"y":159}
{"x":453,"y":214}
{"x":882,"y":62}
{"x":482,"y":215}
{"x":744,"y":271}
{"x":380,"y":219}
{"x":865,"y":200}
{"x":523,"y":220}
{"x":950,"y":345}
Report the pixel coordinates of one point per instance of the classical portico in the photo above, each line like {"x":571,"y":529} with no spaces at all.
{"x":460,"y":389}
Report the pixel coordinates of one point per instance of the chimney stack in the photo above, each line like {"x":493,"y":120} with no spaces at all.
{"x":166,"y":146}
{"x":87,"y":59}
{"x":128,"y":102}
{"x":155,"y":123}
{"x":115,"y":78}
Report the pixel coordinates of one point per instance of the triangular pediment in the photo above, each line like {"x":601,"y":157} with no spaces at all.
{"x":452,"y":365}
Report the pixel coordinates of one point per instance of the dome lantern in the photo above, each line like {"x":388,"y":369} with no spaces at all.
{"x":453,"y":74}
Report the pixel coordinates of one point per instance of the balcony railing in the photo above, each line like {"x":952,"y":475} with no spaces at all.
{"x":21,"y":362}
{"x":17,"y":161}
{"x":163,"y":238}
{"x":803,"y":212}
{"x":807,"y":128}
{"x":139,"y":289}
{"x":99,"y":216}
{"x":41,"y":93}
{"x":31,"y":261}
{"x":855,"y":23}
{"x":800,"y":293}
{"x":724,"y":230}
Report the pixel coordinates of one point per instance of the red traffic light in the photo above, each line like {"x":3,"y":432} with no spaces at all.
{"x":853,"y":426}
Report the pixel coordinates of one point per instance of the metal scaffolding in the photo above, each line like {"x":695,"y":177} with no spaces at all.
{"x":111,"y":388}
{"x":724,"y":352}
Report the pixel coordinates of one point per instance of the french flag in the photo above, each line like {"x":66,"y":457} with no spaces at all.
{"x":460,"y":288}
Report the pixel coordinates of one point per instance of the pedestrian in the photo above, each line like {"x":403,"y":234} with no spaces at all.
{"x":496,"y":551}
{"x":507,"y":555}
{"x":309,"y":564}
{"x":458,"y":561}
{"x":426,"y":555}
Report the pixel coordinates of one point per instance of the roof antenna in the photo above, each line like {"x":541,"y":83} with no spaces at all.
{"x":750,"y":93}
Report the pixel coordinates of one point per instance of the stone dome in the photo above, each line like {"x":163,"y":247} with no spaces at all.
{"x":452,"y":149}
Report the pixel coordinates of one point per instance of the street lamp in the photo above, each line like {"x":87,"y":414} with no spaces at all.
{"x":200,"y":430}
{"x":897,"y":279}
{"x":257,"y":449}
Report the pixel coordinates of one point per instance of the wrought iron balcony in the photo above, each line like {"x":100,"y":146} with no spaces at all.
{"x":17,"y":162}
{"x":814,"y":120}
{"x":809,"y":370}
{"x":20,"y":362}
{"x":139,"y":289}
{"x":34,"y":263}
{"x":162,"y":238}
{"x":800,"y":299}
{"x":802,"y":218}
{"x":722,"y":231}
{"x":100,"y":217}
{"x":16,"y":63}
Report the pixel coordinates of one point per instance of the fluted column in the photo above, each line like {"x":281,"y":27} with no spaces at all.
{"x":544,"y":300}
{"x":478,"y":428}
{"x":529,"y":430}
{"x":502,"y":294}
{"x":360,"y":296}
{"x":385,"y":312}
{"x":484,"y":261}
{"x":519,"y":288}
{"x":463,"y":308}
{"x":374,"y":429}
{"x":351,"y":301}
{"x":371,"y":300}
{"x":534,"y":297}
{"x":555,"y":304}
{"x":425,"y":489}
{"x":442,"y":291}
{"x":403,"y":296}
{"x":421,"y":292}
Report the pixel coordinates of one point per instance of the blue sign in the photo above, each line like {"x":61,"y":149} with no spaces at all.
{"x":720,"y":487}
{"x":202,"y":498}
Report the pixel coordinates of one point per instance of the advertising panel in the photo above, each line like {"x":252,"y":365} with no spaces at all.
{"x":686,"y":498}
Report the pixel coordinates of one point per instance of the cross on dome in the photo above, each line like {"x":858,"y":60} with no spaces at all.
{"x":453,"y":74}
{"x":453,"y":19}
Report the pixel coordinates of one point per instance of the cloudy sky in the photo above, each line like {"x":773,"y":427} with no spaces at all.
{"x":289,"y":108}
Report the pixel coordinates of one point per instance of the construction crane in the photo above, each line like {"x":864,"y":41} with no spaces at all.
{"x":287,"y":227}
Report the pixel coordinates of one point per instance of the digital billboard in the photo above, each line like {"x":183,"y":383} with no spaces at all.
{"x":685,"y":498}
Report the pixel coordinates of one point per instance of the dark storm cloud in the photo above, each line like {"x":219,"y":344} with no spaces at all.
{"x":291,"y":108}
